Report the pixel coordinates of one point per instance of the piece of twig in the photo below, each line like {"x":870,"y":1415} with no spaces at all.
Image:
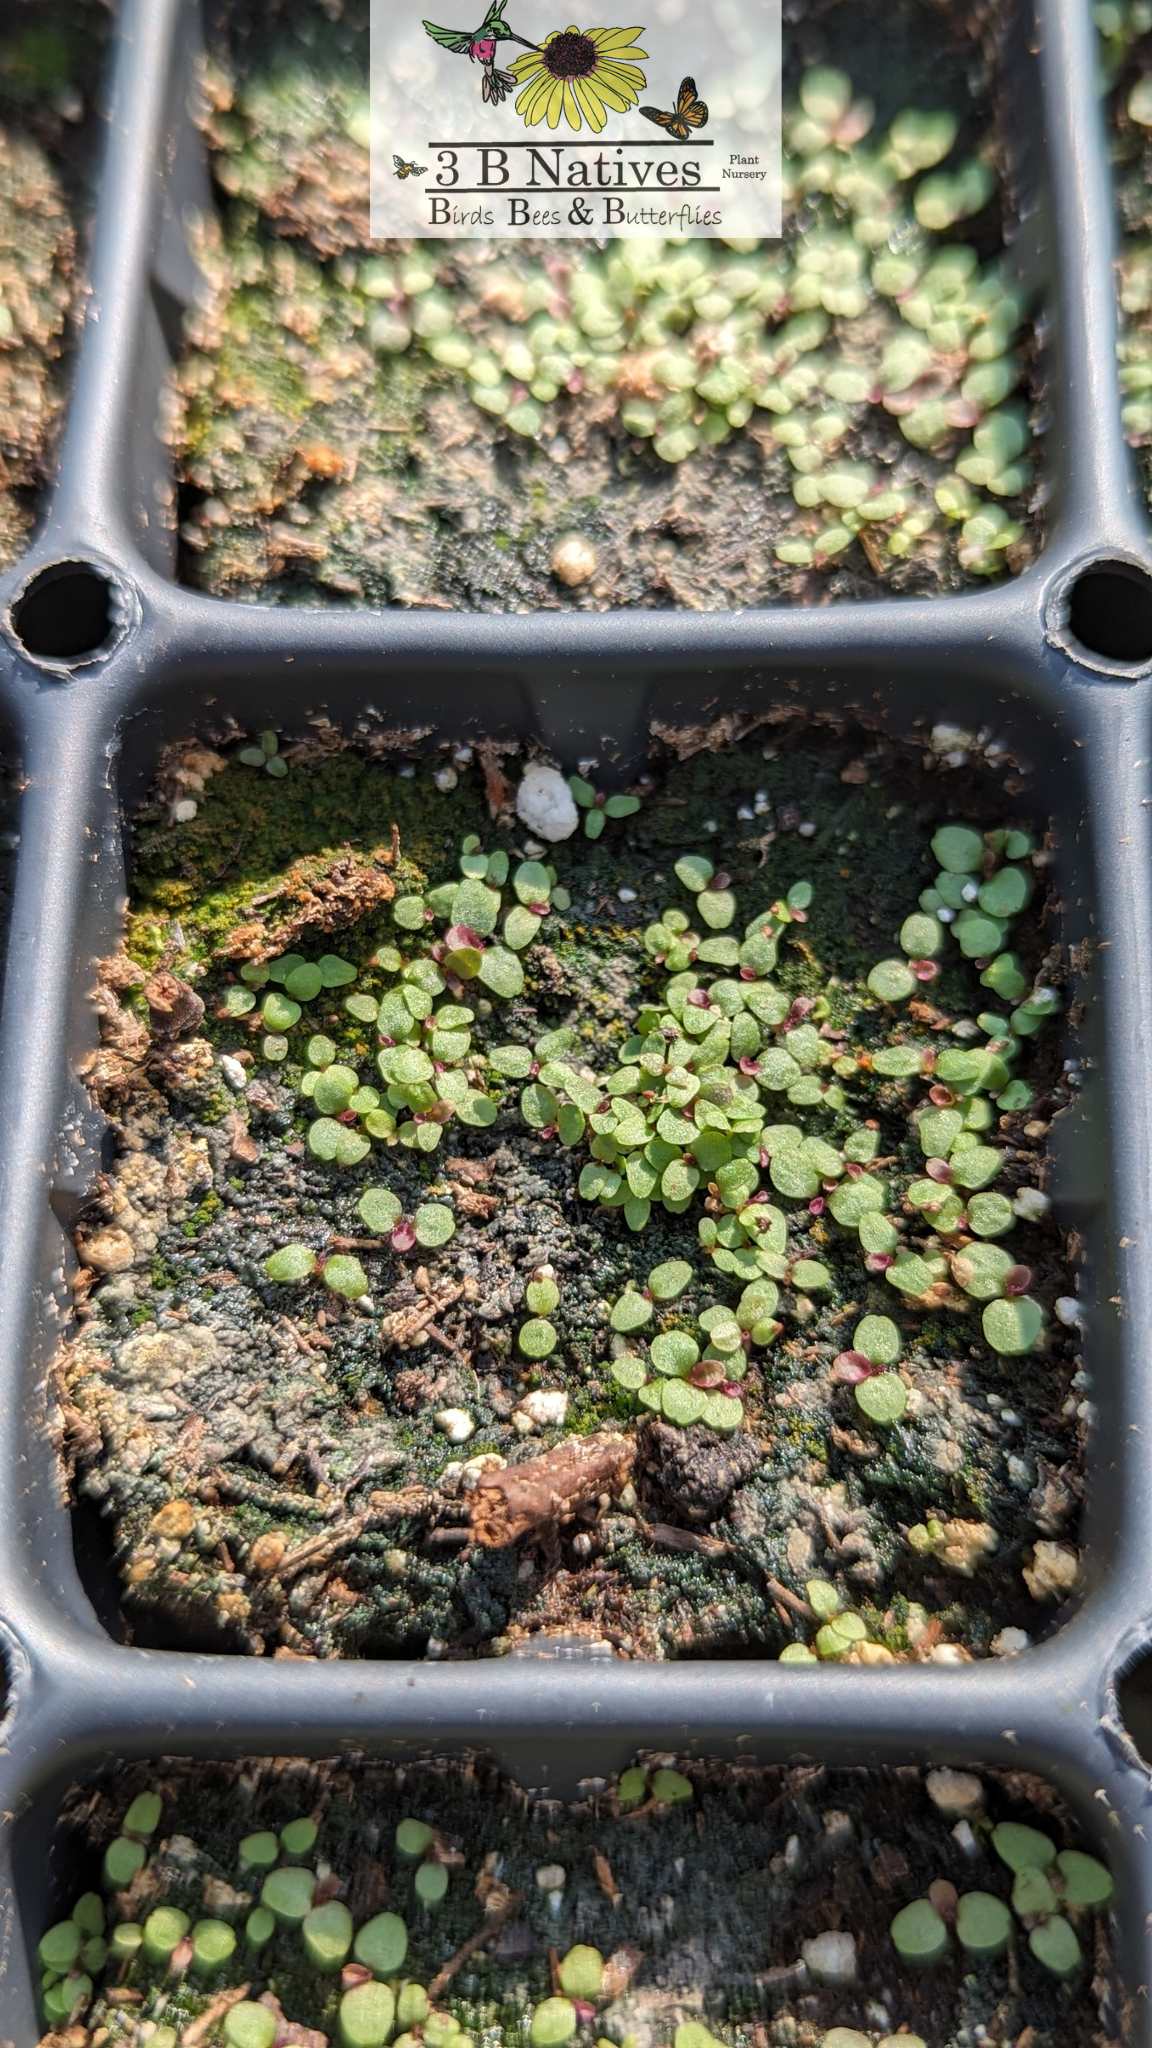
{"x":194,"y":2033}
{"x":492,"y":1926}
{"x":792,"y":1600}
{"x":521,"y":1499}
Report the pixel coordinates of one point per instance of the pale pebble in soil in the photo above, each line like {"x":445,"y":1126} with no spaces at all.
{"x":545,"y":803}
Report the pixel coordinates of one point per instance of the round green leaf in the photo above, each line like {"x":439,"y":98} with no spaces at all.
{"x":294,"y":1262}
{"x":681,"y":1402}
{"x":629,"y":1373}
{"x":1086,"y":1882}
{"x":334,"y":1088}
{"x":695,"y":871}
{"x":983,"y":1924}
{"x":366,"y":2013}
{"x":382,"y":1943}
{"x":345,"y":1276}
{"x":668,"y":1280}
{"x":323,"y":1137}
{"x":918,"y":1932}
{"x":335,"y":972}
{"x":878,"y":1340}
{"x":249,"y":2025}
{"x":538,"y":1106}
{"x":555,"y":2020}
{"x":537,"y":1339}
{"x":434,"y":1224}
{"x":1013,"y":1327}
{"x":582,"y":1972}
{"x":897,"y":1061}
{"x":413,"y":1840}
{"x":501,"y":972}
{"x":1006,"y":893}
{"x":958,"y":849}
{"x":990,"y":1215}
{"x":278,"y":1012}
{"x":717,"y":908}
{"x":304,"y":983}
{"x":431,"y":1883}
{"x":722,"y":1412}
{"x":674,"y":1353}
{"x":520,"y":927}
{"x":883,"y":1398}
{"x":1022,"y":1848}
{"x":326,"y":1934}
{"x":320,"y":1051}
{"x":1054,"y":1944}
{"x":288,"y":1893}
{"x":631,"y":1312}
{"x":921,"y":936}
{"x":513,"y":1061}
{"x":892,"y":981}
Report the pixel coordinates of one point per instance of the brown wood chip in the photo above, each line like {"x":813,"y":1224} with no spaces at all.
{"x":520,"y":1499}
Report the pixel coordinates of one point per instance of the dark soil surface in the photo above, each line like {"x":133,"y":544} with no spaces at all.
{"x":704,"y":1906}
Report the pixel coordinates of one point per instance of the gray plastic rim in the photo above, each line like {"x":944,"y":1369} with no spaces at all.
{"x":85,"y":734}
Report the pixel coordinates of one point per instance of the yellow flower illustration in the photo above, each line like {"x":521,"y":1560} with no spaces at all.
{"x":579,"y":73}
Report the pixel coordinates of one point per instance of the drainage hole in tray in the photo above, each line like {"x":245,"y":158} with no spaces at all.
{"x":1110,"y":612}
{"x":66,"y":612}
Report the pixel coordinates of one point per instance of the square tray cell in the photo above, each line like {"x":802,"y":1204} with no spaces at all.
{"x":503,"y":426}
{"x":413,"y":1431}
{"x":708,"y":1903}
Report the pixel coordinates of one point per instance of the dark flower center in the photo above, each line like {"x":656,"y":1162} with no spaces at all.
{"x":570,"y":56}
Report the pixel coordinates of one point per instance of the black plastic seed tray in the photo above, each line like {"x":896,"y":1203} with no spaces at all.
{"x":104,"y":658}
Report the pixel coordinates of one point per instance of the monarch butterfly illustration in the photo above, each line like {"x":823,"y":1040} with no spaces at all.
{"x":690,"y":112}
{"x":404,"y":170}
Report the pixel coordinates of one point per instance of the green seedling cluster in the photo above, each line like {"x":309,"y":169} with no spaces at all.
{"x":696,"y":342}
{"x":291,"y":1925}
{"x":872,"y":356}
{"x":1053,"y":1893}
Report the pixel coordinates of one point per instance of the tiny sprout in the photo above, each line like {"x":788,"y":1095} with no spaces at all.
{"x":983,"y":1924}
{"x":345,"y":1276}
{"x":582,"y":1972}
{"x":1023,"y":1848}
{"x":366,"y":2016}
{"x":258,"y":1852}
{"x":671,"y":1788}
{"x":298,"y":1838}
{"x":249,"y":2025}
{"x":431,"y":1883}
{"x":1054,"y":1944}
{"x":413,"y":1839}
{"x":293,"y":1263}
{"x":537,"y":1338}
{"x":288,"y":1893}
{"x":918,"y":1933}
{"x":553,"y":2023}
{"x":143,"y":1816}
{"x":632,"y":1786}
{"x":122,"y":1859}
{"x":382,"y":1943}
{"x":379,"y":1209}
{"x":433,"y":1224}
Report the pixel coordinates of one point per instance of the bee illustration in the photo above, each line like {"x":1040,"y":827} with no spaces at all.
{"x":404,"y":170}
{"x":690,"y":112}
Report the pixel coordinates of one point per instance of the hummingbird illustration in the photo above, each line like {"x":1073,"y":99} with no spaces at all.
{"x":479,"y":46}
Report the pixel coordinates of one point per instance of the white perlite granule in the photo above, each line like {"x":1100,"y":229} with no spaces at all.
{"x":545,"y":803}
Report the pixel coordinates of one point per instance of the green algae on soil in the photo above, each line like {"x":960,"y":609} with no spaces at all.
{"x":675,"y":1902}
{"x":429,"y":424}
{"x":835,"y":1393}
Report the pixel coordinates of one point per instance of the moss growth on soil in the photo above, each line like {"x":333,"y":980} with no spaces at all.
{"x":51,"y":52}
{"x":283,"y":1469}
{"x":697,"y":1887}
{"x":429,"y":424}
